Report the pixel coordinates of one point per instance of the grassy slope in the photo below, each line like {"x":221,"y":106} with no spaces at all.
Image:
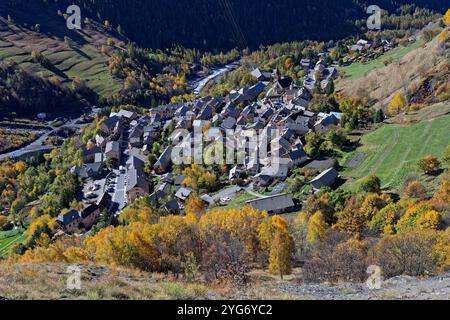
{"x":380,"y":83}
{"x":8,"y":242}
{"x":84,"y":60}
{"x":392,"y":151}
{"x":358,"y":70}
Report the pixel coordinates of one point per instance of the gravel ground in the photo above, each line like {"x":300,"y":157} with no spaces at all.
{"x":403,"y":288}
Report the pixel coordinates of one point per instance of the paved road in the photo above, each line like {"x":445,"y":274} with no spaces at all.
{"x":250,"y":191}
{"x":119,"y":195}
{"x":197,"y":85}
{"x":37,"y":145}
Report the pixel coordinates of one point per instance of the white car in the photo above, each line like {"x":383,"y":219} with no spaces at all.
{"x":225,"y":200}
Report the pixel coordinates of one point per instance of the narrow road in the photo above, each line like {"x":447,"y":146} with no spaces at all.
{"x":38,"y":145}
{"x":198,"y":84}
{"x":250,"y":191}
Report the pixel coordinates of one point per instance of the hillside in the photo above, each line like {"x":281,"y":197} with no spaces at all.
{"x":392,"y":151}
{"x":226,"y":24}
{"x":411,"y":68}
{"x":48,"y":281}
{"x":69,"y":54}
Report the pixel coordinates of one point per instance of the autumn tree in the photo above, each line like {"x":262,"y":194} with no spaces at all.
{"x":384,"y":221}
{"x":398,"y":104}
{"x":195,"y":205}
{"x":280,"y":258}
{"x":43,"y":224}
{"x":429,"y":164}
{"x":199,"y":178}
{"x":443,"y":194}
{"x":316,"y":228}
{"x":419,"y":216}
{"x":300,"y":236}
{"x":351,"y":219}
{"x":446,"y":18}
{"x":373,"y":203}
{"x":415,"y":190}
{"x":3,"y":221}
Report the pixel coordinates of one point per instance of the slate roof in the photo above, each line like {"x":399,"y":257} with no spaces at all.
{"x":183,"y":193}
{"x":137,"y":179}
{"x":69,"y":217}
{"x":285,"y":82}
{"x":228,"y":123}
{"x":281,"y":202}
{"x":89,"y":210}
{"x":325,"y":179}
{"x":172,"y":205}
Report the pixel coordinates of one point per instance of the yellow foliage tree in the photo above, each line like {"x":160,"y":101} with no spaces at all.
{"x":442,"y":249}
{"x":446,"y":18}
{"x":39,"y":224}
{"x":20,"y":167}
{"x":76,"y":255}
{"x":316,"y":228}
{"x":139,"y":213}
{"x":281,"y":250}
{"x":443,"y":195}
{"x":199,"y":178}
{"x":443,"y":36}
{"x":429,"y":221}
{"x":398,"y":104}
{"x":194,"y":205}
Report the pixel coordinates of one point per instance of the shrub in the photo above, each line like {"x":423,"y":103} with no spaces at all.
{"x":419,"y":216}
{"x":339,"y":258}
{"x":384,"y":221}
{"x":410,"y":253}
{"x":3,"y":221}
{"x":398,"y":104}
{"x":371,"y":184}
{"x":429,"y":165}
{"x":415,"y":190}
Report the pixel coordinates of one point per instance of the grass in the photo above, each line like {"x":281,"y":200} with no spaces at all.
{"x":84,"y":60}
{"x":392,"y":151}
{"x":8,"y":239}
{"x":358,"y":70}
{"x":240,"y":200}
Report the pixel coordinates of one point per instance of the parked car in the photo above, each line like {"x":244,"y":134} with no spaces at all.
{"x":91,"y":195}
{"x":225,"y":200}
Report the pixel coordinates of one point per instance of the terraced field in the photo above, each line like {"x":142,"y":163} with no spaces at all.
{"x":392,"y":151}
{"x":82,"y":59}
{"x":8,"y":239}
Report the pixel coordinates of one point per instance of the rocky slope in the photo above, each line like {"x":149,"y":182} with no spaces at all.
{"x":49,"y":281}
